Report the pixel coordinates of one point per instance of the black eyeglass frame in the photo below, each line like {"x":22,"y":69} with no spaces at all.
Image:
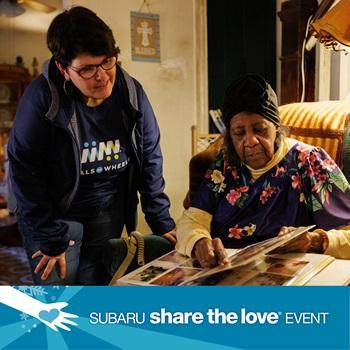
{"x":95,"y":66}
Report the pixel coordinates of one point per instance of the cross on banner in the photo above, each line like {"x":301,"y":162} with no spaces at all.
{"x":145,"y":40}
{"x":145,"y":31}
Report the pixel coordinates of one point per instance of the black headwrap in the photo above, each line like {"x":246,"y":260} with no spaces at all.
{"x":253,"y":94}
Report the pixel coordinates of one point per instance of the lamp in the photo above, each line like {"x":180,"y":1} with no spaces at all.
{"x":14,"y":8}
{"x":10,"y":8}
{"x":333,"y":28}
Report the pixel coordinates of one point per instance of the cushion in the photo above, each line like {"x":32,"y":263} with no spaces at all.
{"x":323,"y":124}
{"x":199,"y":164}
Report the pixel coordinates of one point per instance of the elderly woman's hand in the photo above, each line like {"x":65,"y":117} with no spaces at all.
{"x":210,"y":252}
{"x":312,"y":242}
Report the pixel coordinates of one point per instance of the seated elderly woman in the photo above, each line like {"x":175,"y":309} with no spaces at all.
{"x":262,"y":183}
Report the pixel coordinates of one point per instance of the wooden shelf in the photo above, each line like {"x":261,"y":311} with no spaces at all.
{"x":13,"y":81}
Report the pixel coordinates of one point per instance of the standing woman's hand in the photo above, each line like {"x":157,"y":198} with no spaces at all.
{"x":49,"y":262}
{"x":171,"y":236}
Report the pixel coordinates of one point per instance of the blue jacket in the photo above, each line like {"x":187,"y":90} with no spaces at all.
{"x":44,"y":156}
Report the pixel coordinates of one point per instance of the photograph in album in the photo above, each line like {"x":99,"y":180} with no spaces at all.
{"x":253,"y":265}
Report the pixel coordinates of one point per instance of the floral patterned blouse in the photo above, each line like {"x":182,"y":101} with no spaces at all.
{"x":306,"y":187}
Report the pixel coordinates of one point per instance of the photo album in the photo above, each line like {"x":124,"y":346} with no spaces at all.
{"x":251,"y":266}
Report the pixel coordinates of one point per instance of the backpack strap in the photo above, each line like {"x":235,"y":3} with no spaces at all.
{"x":131,"y":88}
{"x":135,"y":244}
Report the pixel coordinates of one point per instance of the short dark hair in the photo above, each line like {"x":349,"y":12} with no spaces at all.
{"x":77,"y":31}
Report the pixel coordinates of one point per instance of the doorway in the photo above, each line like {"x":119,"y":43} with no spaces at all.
{"x":241,"y":40}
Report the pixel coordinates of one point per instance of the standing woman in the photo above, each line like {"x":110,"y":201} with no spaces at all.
{"x":85,"y":140}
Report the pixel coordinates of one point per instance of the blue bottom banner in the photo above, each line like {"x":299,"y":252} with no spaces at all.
{"x":60,"y":317}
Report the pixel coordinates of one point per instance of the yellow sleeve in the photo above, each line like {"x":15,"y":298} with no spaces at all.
{"x":338,"y":243}
{"x":193,"y":225}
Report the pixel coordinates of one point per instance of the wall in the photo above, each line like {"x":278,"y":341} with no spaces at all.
{"x":340,"y":76}
{"x":25,"y":35}
{"x":25,"y":44}
{"x":332,"y":74}
{"x":170,"y":85}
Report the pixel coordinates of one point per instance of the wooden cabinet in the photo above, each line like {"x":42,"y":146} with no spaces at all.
{"x":294,"y":16}
{"x":13,"y":80}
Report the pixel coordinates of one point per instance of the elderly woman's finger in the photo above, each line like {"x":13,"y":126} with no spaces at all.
{"x":204,"y":252}
{"x":300,"y":244}
{"x":285,"y":230}
{"x":220,"y":251}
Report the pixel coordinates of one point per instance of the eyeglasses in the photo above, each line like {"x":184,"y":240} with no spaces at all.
{"x":90,"y":71}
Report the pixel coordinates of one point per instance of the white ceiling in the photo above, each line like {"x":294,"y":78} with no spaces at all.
{"x":32,"y":20}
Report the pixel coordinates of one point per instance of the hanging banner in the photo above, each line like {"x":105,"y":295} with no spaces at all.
{"x":203,"y":318}
{"x":145,"y":39}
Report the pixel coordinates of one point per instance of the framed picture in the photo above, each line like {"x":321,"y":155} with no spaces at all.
{"x":145,"y":40}
{"x":5,"y":93}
